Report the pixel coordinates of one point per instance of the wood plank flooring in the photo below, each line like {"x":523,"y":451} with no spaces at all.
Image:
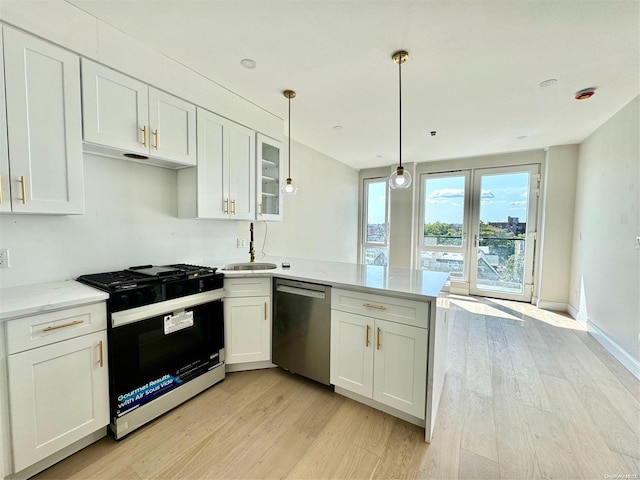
{"x":528,"y":394}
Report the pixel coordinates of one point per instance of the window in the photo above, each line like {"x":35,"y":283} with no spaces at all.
{"x":375,"y":224}
{"x":443,"y":220}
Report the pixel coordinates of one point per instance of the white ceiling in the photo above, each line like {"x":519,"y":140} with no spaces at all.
{"x":472,"y":75}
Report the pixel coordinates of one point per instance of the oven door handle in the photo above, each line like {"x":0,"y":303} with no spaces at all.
{"x":162,"y":308}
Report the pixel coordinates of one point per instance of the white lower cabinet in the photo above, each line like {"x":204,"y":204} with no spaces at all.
{"x":382,"y":360}
{"x":58,"y":381}
{"x":247,"y":320}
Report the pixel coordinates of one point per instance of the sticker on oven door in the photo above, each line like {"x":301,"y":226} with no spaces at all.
{"x":173,"y":323}
{"x":145,"y":393}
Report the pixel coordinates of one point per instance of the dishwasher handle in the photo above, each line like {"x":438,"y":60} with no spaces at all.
{"x":301,"y":291}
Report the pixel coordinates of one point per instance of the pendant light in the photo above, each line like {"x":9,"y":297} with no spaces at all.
{"x":288,"y":187}
{"x":400,"y":178}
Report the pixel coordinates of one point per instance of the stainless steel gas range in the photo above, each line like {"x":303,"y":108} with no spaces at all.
{"x":165,"y":335}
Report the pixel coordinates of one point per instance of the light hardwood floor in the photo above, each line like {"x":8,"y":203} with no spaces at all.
{"x":528,"y":394}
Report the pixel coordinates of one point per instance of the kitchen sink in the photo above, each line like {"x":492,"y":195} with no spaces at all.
{"x":249,"y":266}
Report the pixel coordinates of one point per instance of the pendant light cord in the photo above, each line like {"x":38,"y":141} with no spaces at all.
{"x":400,"y":106}
{"x":289,"y":136}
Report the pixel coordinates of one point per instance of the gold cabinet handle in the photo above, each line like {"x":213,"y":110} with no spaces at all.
{"x":379,"y":344}
{"x":156,"y":139}
{"x":367,"y":339}
{"x":23,"y":186}
{"x":101,"y":354}
{"x":56,"y":327}
{"x":144,"y":135}
{"x":259,"y":207}
{"x":233,"y":207}
{"x":265,"y":310}
{"x":226,"y":205}
{"x":377,"y":307}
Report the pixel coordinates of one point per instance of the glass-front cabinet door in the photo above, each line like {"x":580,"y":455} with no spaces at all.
{"x":269,"y":172}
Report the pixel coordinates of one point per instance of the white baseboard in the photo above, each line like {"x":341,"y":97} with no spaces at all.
{"x":614,"y":349}
{"x":574,"y":314}
{"x":554,"y":306}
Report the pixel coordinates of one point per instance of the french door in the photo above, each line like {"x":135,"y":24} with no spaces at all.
{"x":479,"y":226}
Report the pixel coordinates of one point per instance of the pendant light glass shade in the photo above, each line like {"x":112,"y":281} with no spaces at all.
{"x":400,"y":178}
{"x":288,"y":187}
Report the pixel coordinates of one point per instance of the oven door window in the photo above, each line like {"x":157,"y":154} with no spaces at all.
{"x":147,"y":359}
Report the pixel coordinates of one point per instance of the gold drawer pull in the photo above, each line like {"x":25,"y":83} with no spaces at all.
{"x":156,"y":137}
{"x":70,"y":324}
{"x":265,"y":310}
{"x":377,"y":307}
{"x":101,"y":355}
{"x":367,"y":339}
{"x":379,"y":344}
{"x":233,"y":207}
{"x":226,"y":205}
{"x":259,"y":207}
{"x":144,"y":136}
{"x":23,"y":184}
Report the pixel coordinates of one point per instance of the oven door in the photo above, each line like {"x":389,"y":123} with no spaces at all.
{"x":156,"y":348}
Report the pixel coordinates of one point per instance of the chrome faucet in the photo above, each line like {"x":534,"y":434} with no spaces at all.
{"x":252,"y":252}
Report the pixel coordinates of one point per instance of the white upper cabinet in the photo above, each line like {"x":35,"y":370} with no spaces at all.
{"x":242,"y":172}
{"x":270,"y":177}
{"x":115,"y":109}
{"x":126,"y":118}
{"x":222,"y":186}
{"x":5,"y":192}
{"x":172,"y":127}
{"x":44,"y":133}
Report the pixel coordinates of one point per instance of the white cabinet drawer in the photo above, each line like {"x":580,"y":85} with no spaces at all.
{"x":247,"y":286}
{"x":38,"y":330}
{"x":399,"y":310}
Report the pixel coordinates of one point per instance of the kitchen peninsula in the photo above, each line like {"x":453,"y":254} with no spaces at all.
{"x":364,"y":297}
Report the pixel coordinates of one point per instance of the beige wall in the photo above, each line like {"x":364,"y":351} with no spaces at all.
{"x":605,"y":271}
{"x":557,"y":202}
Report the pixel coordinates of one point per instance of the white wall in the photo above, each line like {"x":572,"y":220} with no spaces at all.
{"x":321,"y":221}
{"x":131,"y":219}
{"x":605,"y":271}
{"x":557,"y":202}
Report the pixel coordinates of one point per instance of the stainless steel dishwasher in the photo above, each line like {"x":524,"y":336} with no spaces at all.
{"x":302,"y":328}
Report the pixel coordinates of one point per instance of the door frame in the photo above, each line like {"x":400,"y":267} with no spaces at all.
{"x":531,"y":233}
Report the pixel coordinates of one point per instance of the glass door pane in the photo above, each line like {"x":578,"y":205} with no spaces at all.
{"x":502,"y":255}
{"x":443,"y":232}
{"x":375,"y":249}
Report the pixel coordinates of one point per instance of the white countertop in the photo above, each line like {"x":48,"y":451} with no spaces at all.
{"x":404,"y":282}
{"x":44,"y":297}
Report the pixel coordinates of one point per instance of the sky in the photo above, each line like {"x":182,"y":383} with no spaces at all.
{"x":503,"y":196}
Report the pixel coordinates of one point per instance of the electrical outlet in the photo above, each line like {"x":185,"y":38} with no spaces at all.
{"x":241,"y":242}
{"x":4,"y":258}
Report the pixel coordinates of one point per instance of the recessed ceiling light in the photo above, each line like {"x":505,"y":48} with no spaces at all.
{"x":521,"y":137}
{"x":248,"y":63}
{"x":548,"y":82}
{"x":338,"y":127}
{"x":378,"y":156}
